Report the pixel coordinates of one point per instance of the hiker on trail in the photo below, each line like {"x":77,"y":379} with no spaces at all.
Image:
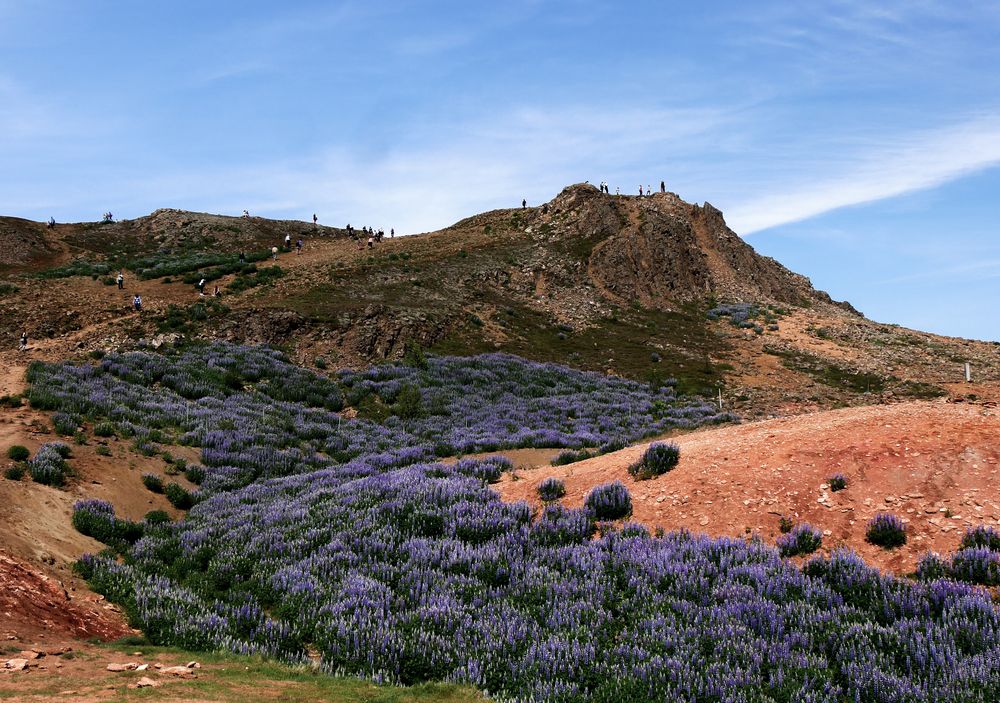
{"x":524,"y":203}
{"x":392,"y":233}
{"x":649,"y":191}
{"x":243,"y":258}
{"x":298,"y":247}
{"x":663,"y":187}
{"x":246,"y":215}
{"x":274,"y":253}
{"x":618,"y":191}
{"x":640,"y":191}
{"x":216,"y":294}
{"x":52,"y":222}
{"x":137,"y":303}
{"x":371,"y":242}
{"x":315,"y":219}
{"x":288,"y":241}
{"x":121,"y":281}
{"x":201,"y":287}
{"x":23,"y":346}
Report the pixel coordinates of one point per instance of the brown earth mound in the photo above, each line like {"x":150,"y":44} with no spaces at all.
{"x":934,"y":464}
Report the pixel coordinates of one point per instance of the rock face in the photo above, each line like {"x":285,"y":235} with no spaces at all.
{"x":660,"y":250}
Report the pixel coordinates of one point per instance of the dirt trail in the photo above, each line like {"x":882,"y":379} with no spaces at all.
{"x":934,"y":464}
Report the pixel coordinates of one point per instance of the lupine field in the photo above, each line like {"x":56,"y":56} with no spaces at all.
{"x":315,"y":533}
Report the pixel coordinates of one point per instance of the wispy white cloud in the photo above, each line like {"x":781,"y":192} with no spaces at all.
{"x":437,"y":177}
{"x":894,"y":167}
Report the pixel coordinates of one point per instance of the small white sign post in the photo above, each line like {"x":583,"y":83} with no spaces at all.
{"x":968,"y":372}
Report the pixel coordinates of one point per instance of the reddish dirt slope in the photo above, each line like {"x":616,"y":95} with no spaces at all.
{"x":924,"y":461}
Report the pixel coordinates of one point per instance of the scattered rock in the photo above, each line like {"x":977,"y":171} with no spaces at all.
{"x":145,"y":682}
{"x":130,"y":666}
{"x":16,"y":664}
{"x":31,"y":654}
{"x":177,"y":671}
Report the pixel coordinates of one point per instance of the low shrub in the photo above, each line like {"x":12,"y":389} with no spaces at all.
{"x":65,"y":423}
{"x":560,"y":526}
{"x":96,"y":518}
{"x":320,"y":362}
{"x":178,"y":496}
{"x":156,"y":517}
{"x":979,"y":565}
{"x":62,"y":449}
{"x":658,"y":459}
{"x":982,"y":536}
{"x":103,"y":450}
{"x":15,"y":472}
{"x":18,"y":453}
{"x":803,"y":539}
{"x":886,"y":530}
{"x":551,"y":489}
{"x":838,"y":482}
{"x":785,"y":524}
{"x":10,"y":401}
{"x":488,"y":469}
{"x":195,"y":474}
{"x":153,"y":482}
{"x":571,"y":456}
{"x":48,"y":466}
{"x":932,"y":567}
{"x":104,"y":429}
{"x":609,"y":501}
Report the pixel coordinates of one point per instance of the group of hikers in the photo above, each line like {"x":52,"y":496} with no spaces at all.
{"x":107,"y":217}
{"x":649,"y":189}
{"x":369,"y":235}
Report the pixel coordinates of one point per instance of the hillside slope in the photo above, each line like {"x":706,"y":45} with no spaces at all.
{"x":649,"y":288}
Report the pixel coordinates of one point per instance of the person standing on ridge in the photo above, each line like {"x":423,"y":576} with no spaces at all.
{"x":121,"y":281}
{"x":649,"y":190}
{"x":315,"y":219}
{"x":524,"y":204}
{"x":52,"y":222}
{"x":288,"y":241}
{"x":663,"y":187}
{"x":392,"y":233}
{"x":640,"y":191}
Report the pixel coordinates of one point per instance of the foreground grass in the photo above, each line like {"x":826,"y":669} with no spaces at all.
{"x":222,"y":678}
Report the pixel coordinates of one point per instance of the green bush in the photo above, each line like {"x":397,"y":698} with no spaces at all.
{"x":103,"y":450}
{"x":156,"y":517}
{"x":658,"y":459}
{"x":104,"y":429}
{"x":18,"y":453}
{"x":179,"y":496}
{"x":195,"y":474}
{"x":886,"y":530}
{"x":153,"y":482}
{"x":15,"y":472}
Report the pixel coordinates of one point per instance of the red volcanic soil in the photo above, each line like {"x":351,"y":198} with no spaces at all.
{"x":934,"y":464}
{"x":36,"y":606}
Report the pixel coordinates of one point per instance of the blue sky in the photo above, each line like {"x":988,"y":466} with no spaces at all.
{"x":856,"y":142}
